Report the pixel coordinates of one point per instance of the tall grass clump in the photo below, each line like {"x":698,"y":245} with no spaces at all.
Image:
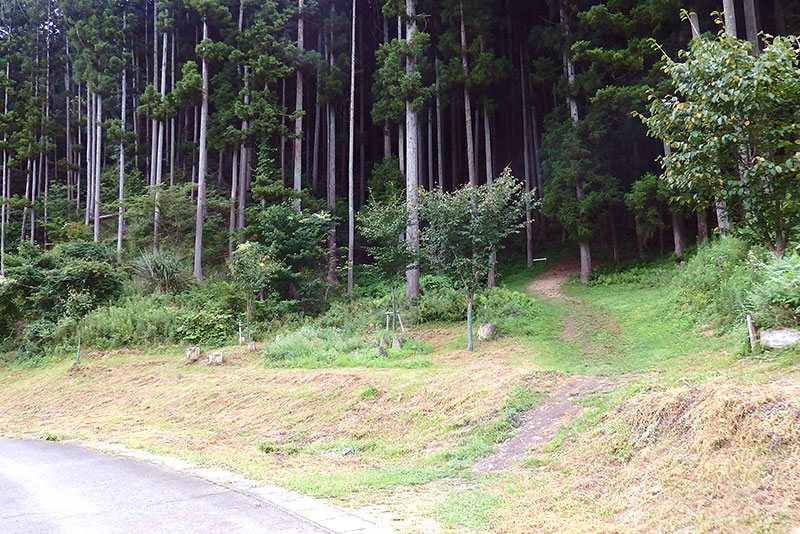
{"x":162,"y":271}
{"x":776,"y":299}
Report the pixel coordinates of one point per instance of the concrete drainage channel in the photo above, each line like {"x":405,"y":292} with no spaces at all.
{"x":323,"y":516}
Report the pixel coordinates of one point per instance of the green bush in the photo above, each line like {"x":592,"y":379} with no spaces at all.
{"x":511,"y":311}
{"x":713,"y":284}
{"x":776,"y":299}
{"x":207,"y":327}
{"x":133,"y":322}
{"x":162,"y":271}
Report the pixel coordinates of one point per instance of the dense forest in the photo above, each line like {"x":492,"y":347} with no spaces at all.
{"x":170,"y":131}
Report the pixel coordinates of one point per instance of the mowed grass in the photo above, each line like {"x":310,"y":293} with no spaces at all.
{"x":400,"y":434}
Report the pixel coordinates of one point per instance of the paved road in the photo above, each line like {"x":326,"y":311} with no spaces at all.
{"x":55,"y":488}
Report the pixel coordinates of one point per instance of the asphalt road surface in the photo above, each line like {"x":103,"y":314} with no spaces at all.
{"x":55,"y":488}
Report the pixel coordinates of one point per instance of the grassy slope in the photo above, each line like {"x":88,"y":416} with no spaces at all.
{"x":403,"y":438}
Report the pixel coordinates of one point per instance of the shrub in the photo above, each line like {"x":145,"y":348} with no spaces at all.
{"x":511,"y":311}
{"x":776,"y":300}
{"x":133,"y":322}
{"x":206,"y":327}
{"x":713,"y":284}
{"x":162,"y":271}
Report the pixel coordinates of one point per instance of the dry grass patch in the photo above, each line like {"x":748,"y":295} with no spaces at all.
{"x":721,"y":457}
{"x":284,"y":425}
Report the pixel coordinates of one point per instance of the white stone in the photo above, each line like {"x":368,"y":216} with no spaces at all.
{"x":486,"y":331}
{"x":780,"y":337}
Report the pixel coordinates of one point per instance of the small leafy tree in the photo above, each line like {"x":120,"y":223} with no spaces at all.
{"x":733,"y":126}
{"x":78,"y":303}
{"x":252,"y":268}
{"x":383,"y":223}
{"x":464,"y":227}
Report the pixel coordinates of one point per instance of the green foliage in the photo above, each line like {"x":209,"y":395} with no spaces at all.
{"x":314,"y":347}
{"x":296,"y":241}
{"x":513,"y":312}
{"x":139,"y":321}
{"x":712,"y":285}
{"x":162,"y":271}
{"x":206,"y":327}
{"x":42,"y":281}
{"x":569,"y":162}
{"x":732,"y":125}
{"x":776,"y":299}
{"x":464,"y":227}
{"x":252,"y":267}
{"x":646,"y":200}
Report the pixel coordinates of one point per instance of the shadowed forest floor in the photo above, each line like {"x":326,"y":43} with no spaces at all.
{"x":628,"y":420}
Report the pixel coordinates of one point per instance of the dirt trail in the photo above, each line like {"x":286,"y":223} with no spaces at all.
{"x":541,"y":422}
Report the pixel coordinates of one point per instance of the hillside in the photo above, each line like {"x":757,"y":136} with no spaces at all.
{"x":633,"y":419}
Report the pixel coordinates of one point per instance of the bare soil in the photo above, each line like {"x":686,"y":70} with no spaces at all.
{"x":541,"y":422}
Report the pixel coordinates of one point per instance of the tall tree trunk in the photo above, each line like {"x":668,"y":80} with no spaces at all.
{"x":89,"y":154}
{"x":351,"y":217}
{"x":439,"y":139}
{"x":121,"y":185}
{"x":298,"y":107}
{"x":234,"y":190}
{"x":430,"y":148}
{"x":572,"y":104}
{"x":159,"y":153}
{"x":412,"y":160}
{"x":331,"y":193}
{"x":98,"y":139}
{"x":751,"y":24}
{"x":473,"y":178}
{"x":201,"y":169}
{"x":729,"y":14}
{"x":702,"y":226}
{"x":362,"y":176}
{"x":527,"y":166}
{"x":4,"y":191}
{"x":172,"y":119}
{"x":317,"y":126}
{"x":387,"y":133}
{"x":677,"y":234}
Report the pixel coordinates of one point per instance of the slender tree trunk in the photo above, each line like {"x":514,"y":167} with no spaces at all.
{"x":677,"y":234}
{"x":439,"y":139}
{"x":201,"y":169}
{"x":412,"y":160}
{"x":317,"y":126}
{"x":234,"y":190}
{"x":331,"y":193}
{"x":4,"y":191}
{"x":172,"y":119}
{"x":473,"y":178}
{"x":470,"y":339}
{"x":298,"y":106}
{"x":527,"y":167}
{"x":362,"y":176}
{"x":387,"y":133}
{"x":751,"y":24}
{"x":89,"y":153}
{"x":702,"y":226}
{"x":430,"y":148}
{"x":351,"y":217}
{"x":159,"y":152}
{"x":282,"y":152}
{"x":121,"y":186}
{"x":729,"y":14}
{"x":572,"y":104}
{"x":487,"y":134}
{"x":98,"y":138}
